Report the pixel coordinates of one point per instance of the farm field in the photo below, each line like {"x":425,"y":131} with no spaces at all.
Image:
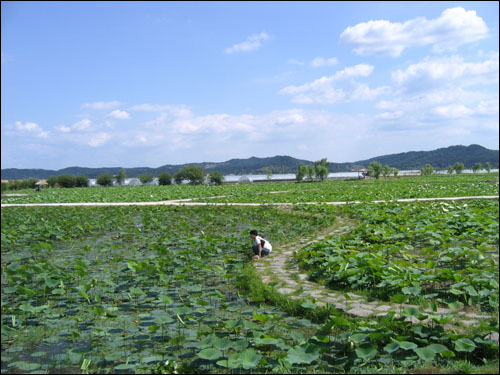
{"x":275,"y":192}
{"x":172,"y":289}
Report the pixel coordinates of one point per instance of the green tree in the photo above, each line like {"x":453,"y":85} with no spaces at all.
{"x":120,"y":177}
{"x":104,"y":179}
{"x":487,"y":166}
{"x":321,"y":168}
{"x":395,"y":171}
{"x":81,"y":181}
{"x":215,"y":178}
{"x":450,"y":169}
{"x":386,"y":170}
{"x":193,"y":173}
{"x":268,"y":172}
{"x":374,"y":169}
{"x":477,"y":167}
{"x":178,"y":177}
{"x":66,"y":180}
{"x":311,"y":172}
{"x":164,"y":178}
{"x":146,"y":178}
{"x":52,"y":181}
{"x":301,"y":172}
{"x":427,"y":170}
{"x":458,"y":167}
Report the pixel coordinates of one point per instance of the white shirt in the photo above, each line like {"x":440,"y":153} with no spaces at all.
{"x":267,"y":245}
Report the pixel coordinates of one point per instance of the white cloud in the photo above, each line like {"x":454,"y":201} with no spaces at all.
{"x":252,"y":43}
{"x":119,"y":115}
{"x":455,"y":26}
{"x":175,"y":110}
{"x":432,"y":72}
{"x":99,"y":139}
{"x":295,"y":62}
{"x":453,"y":111}
{"x":389,"y":115}
{"x":102,"y":105}
{"x":321,"y":61}
{"x":64,"y":129}
{"x":31,"y":128}
{"x":329,"y":90}
{"x":82,"y":125}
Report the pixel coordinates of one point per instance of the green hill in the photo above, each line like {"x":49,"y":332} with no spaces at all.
{"x":439,"y":159}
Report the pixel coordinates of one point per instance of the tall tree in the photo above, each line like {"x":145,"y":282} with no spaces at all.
{"x":459,"y":167}
{"x":374,"y":169}
{"x":427,"y":170}
{"x":164,"y":179}
{"x":301,"y":172}
{"x":215,"y":178}
{"x":321,"y":168}
{"x":120,"y":177}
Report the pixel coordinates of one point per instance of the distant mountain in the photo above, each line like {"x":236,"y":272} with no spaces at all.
{"x":439,"y":159}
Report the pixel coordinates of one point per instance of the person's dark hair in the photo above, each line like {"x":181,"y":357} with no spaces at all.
{"x":254,"y":232}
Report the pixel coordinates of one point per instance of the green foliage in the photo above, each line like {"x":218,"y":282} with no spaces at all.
{"x":477,"y":167}
{"x":146,"y":178}
{"x":413,"y":249}
{"x":193,"y":173}
{"x":302,"y":170}
{"x":105,"y":179}
{"x":311,"y":172}
{"x":386,"y":171}
{"x":66,"y":180}
{"x":450,"y":169}
{"x":427,"y":170}
{"x":374,"y":169}
{"x":164,"y":179}
{"x":28,"y":183}
{"x":81,"y":181}
{"x":459,"y":167}
{"x":487,"y":166}
{"x":215,"y":178}
{"x":321,"y":168}
{"x":120,"y":177}
{"x":52,"y":181}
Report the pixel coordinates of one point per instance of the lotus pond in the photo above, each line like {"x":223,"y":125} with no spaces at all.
{"x":274,"y":192}
{"x":171,"y":289}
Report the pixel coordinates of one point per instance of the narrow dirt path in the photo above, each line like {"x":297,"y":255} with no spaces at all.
{"x":189,"y":202}
{"x":281,"y":270}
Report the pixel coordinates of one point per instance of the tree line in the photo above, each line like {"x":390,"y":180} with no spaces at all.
{"x":192,"y":174}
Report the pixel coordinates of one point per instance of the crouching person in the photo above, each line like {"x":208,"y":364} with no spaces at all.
{"x":261,"y":246}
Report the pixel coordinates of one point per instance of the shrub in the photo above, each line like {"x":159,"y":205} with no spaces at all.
{"x":52,"y":181}
{"x":146,"y":178}
{"x":427,"y":170}
{"x":66,"y":180}
{"x":120,"y":177}
{"x":459,"y":167}
{"x":193,"y":173}
{"x":81,"y":181}
{"x":374,"y":169}
{"x":104,"y":179}
{"x":164,"y":179}
{"x":216,"y":178}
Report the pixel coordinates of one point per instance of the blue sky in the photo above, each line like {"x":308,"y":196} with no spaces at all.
{"x":136,"y":84}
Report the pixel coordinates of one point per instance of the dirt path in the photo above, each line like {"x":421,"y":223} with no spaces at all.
{"x":282,"y":271}
{"x":190,"y":202}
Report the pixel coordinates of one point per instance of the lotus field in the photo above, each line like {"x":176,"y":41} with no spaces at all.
{"x":172,"y":289}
